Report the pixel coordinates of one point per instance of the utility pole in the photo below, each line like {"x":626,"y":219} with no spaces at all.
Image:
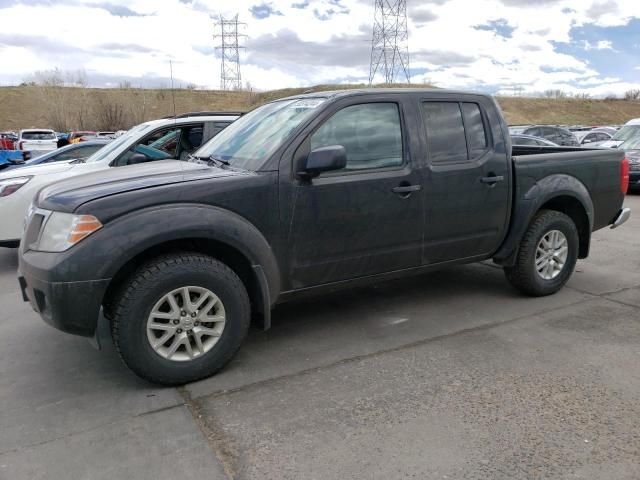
{"x":390,"y":42}
{"x":229,"y":46}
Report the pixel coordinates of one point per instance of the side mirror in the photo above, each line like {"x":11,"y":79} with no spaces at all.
{"x":324,"y":159}
{"x":137,"y":158}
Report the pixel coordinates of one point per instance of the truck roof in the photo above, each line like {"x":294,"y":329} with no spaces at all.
{"x":376,"y":91}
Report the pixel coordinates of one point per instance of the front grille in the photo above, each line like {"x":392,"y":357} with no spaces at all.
{"x":33,"y":229}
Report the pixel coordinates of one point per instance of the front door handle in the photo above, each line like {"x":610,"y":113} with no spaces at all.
{"x":492,"y":179}
{"x":404,"y":189}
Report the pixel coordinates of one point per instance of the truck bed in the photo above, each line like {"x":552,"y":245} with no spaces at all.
{"x":597,"y":169}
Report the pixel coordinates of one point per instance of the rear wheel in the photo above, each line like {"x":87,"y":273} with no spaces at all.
{"x":547,"y":255}
{"x":180,"y":318}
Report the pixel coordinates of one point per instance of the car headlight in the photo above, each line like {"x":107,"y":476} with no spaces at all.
{"x":61,"y":231}
{"x":11,"y":185}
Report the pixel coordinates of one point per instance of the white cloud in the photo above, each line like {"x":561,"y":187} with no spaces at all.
{"x":73,"y":34}
{"x":600,"y":45}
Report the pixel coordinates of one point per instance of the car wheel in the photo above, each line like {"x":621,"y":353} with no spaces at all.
{"x":180,"y":318}
{"x":547,"y":255}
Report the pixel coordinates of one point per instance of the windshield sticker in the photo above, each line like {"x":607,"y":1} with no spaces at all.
{"x":307,"y":104}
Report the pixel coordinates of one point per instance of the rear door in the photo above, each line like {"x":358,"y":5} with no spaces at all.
{"x":467,"y":190}
{"x":367,"y":218}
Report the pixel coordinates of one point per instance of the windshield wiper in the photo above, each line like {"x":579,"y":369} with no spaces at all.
{"x":218,"y":161}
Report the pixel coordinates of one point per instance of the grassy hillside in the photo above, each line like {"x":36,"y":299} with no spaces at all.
{"x":81,"y":108}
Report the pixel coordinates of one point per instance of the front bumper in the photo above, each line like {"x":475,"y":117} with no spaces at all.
{"x":73,"y":307}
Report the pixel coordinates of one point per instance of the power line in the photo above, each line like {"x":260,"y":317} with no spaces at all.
{"x":390,"y":41}
{"x":227,"y":34}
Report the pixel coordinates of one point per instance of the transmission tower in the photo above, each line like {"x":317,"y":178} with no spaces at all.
{"x":390,"y":43}
{"x":229,"y":46}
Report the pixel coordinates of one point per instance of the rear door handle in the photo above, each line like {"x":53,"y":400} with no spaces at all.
{"x":406,"y":188}
{"x":492,"y":179}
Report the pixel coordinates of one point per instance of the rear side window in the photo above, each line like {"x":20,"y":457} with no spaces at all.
{"x":524,"y":141}
{"x":445,"y":132}
{"x":534,"y":132}
{"x":371,"y":134}
{"x":474,"y":125}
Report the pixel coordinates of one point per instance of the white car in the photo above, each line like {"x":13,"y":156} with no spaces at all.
{"x":36,"y":141}
{"x":156,"y":140}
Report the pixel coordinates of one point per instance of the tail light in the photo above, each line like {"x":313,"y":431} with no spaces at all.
{"x":624,"y":175}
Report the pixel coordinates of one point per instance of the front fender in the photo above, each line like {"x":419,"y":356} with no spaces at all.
{"x":529,"y":202}
{"x":119,"y":241}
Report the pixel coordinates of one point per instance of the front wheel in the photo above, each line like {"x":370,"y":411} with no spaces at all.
{"x":547,"y":255}
{"x":180,"y":318}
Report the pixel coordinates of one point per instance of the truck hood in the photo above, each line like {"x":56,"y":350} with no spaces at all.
{"x":29,"y":170}
{"x":66,"y":195}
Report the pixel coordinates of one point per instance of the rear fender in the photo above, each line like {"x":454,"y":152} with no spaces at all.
{"x":530,"y":202}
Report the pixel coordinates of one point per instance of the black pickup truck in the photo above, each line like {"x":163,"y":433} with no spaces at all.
{"x":307,"y":194}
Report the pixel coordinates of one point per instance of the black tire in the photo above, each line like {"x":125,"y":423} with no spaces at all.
{"x":140,"y":292}
{"x":524,"y":275}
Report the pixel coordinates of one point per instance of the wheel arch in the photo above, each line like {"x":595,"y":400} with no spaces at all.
{"x":218,"y":233}
{"x":560,"y":192}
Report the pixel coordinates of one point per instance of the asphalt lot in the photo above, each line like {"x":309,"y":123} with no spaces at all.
{"x":449,"y":375}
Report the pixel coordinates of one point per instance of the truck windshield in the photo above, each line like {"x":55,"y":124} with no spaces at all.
{"x":251,"y":139}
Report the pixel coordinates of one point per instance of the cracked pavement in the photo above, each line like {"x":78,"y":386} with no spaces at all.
{"x":447,"y":375}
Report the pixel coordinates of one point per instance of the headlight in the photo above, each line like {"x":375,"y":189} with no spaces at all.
{"x":10,"y":185}
{"x":63,"y":230}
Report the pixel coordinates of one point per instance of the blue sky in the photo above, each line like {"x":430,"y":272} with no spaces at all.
{"x":496,"y":46}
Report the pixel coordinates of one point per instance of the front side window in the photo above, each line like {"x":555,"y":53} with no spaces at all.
{"x":445,"y":132}
{"x":370,"y":133}
{"x":160,"y":145}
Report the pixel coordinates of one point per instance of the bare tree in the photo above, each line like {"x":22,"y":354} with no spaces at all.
{"x":632,"y":94}
{"x":110,"y":115}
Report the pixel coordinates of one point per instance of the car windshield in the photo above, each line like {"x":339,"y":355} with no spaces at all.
{"x":632,"y":144}
{"x":626,"y":133}
{"x":117,"y":143}
{"x":251,"y":139}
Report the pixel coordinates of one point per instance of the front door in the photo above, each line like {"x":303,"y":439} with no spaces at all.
{"x":467,"y":187}
{"x":364,"y":219}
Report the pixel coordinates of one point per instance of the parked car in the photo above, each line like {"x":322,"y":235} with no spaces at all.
{"x":593,"y":138}
{"x":34,"y":142}
{"x":629,"y":132}
{"x":110,"y":135}
{"x":610,"y":130}
{"x":531,"y":141}
{"x":78,"y":151}
{"x":76,"y":137}
{"x":559,"y":136}
{"x":634,"y":168}
{"x":8,"y":141}
{"x":151,"y":141}
{"x":306,"y":194}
